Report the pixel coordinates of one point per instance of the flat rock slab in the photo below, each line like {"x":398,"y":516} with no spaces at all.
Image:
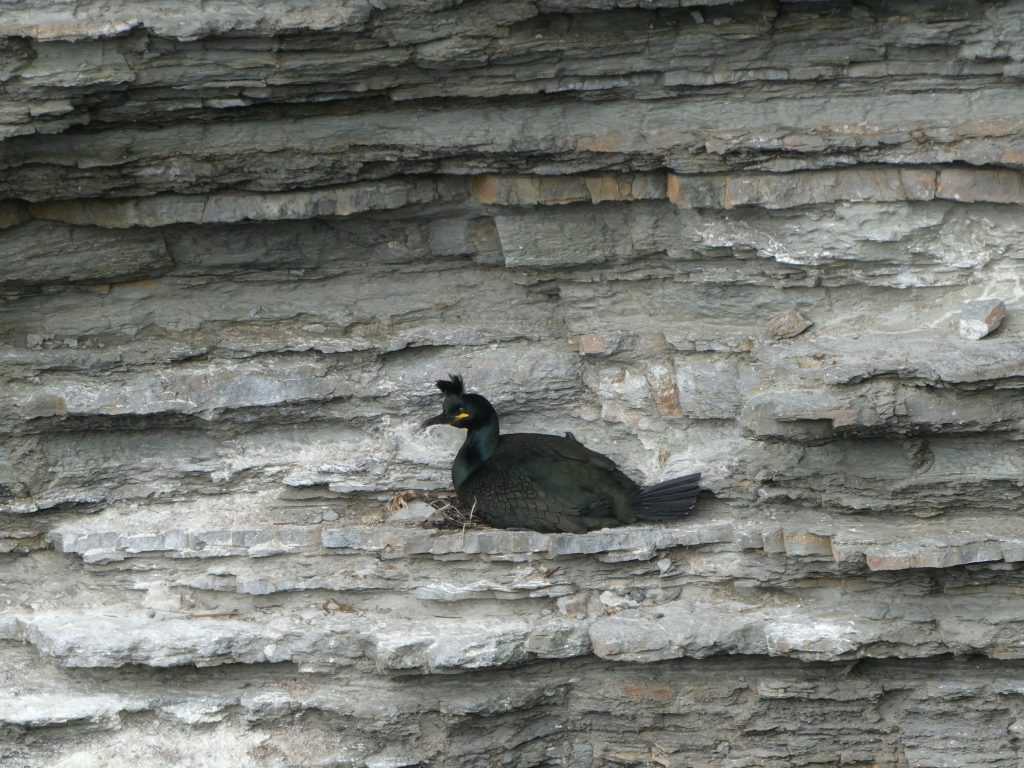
{"x":938,"y":542}
{"x":90,"y":640}
{"x":822,"y":624}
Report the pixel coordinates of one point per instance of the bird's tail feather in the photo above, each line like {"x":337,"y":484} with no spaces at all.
{"x":668,"y":499}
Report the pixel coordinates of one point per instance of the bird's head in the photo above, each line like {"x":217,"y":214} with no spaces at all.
{"x":461,"y":409}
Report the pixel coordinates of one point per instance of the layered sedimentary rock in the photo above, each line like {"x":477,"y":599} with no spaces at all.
{"x":239,"y":245}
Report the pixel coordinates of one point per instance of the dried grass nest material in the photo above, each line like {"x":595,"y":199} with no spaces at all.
{"x":452,"y":512}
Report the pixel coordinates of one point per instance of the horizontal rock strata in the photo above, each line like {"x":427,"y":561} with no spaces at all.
{"x":238,"y":245}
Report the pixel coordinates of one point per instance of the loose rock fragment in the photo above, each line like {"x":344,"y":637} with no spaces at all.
{"x":979,"y":318}
{"x":788,"y":324}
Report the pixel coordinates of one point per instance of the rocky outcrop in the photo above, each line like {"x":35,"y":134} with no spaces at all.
{"x":740,"y":238}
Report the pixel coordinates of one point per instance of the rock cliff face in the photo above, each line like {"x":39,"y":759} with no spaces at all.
{"x":240,"y":241}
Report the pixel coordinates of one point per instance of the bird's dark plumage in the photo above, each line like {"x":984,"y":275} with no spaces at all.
{"x":547,"y":482}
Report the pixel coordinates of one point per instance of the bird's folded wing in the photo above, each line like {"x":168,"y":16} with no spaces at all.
{"x":554,"y":447}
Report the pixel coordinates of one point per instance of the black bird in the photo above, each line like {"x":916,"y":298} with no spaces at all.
{"x":546,"y":482}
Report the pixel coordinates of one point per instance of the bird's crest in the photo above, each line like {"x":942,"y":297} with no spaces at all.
{"x":453,"y":387}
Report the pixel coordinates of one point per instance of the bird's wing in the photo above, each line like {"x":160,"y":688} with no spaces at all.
{"x":508,"y":498}
{"x":581,"y":478}
{"x":544,"y":448}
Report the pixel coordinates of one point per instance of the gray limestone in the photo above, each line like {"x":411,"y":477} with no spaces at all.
{"x":980,"y":317}
{"x":239,"y":243}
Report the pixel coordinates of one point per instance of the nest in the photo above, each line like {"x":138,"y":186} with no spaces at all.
{"x":452,"y":513}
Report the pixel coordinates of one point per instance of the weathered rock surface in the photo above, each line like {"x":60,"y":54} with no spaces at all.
{"x":980,"y":317}
{"x":237,"y":246}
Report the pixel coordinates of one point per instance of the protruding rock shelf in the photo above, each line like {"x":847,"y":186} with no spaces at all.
{"x":776,"y":243}
{"x":815,"y":591}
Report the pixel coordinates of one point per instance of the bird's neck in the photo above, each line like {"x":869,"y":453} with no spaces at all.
{"x":479,"y":446}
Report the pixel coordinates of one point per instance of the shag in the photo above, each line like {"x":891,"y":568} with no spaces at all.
{"x":546,"y":482}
